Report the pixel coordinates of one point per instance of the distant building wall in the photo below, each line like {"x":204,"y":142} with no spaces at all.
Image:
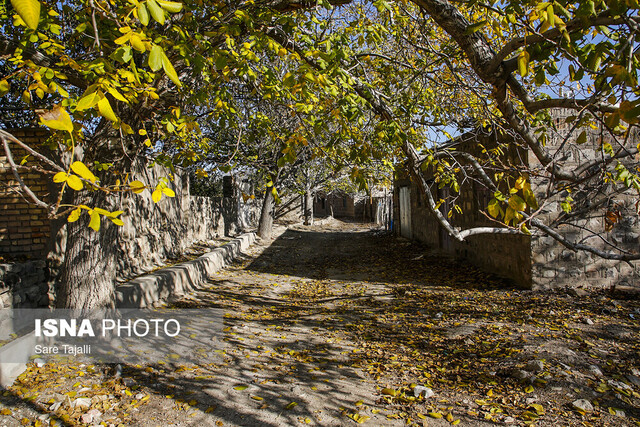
{"x":508,"y":256}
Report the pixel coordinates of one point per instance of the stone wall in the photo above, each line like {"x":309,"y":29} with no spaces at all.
{"x":553,"y":264}
{"x":153,"y":232}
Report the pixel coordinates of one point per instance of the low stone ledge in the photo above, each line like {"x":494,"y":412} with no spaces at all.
{"x":179,"y":279}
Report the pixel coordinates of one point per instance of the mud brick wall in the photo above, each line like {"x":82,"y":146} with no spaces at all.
{"x":24,"y":227}
{"x":504,"y":255}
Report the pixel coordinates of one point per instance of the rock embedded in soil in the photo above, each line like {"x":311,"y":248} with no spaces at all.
{"x":582,"y":405}
{"x":425,"y":392}
{"x":534,"y":366}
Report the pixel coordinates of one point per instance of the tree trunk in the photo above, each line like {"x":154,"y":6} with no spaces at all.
{"x":265,"y":226}
{"x":308,"y":207}
{"x":88,"y":272}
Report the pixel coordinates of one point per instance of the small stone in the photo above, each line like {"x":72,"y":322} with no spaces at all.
{"x":39,"y":362}
{"x":521,"y":375}
{"x":509,"y":420}
{"x":44,"y":417}
{"x":595,"y":371}
{"x":118,"y":373}
{"x":619,"y":385}
{"x":578,"y":292}
{"x":619,"y":413}
{"x":128,"y":382}
{"x":439,"y":315}
{"x":587,"y":321}
{"x":91,"y":416}
{"x":83,"y":389}
{"x":582,"y":405}
{"x":423,"y":391}
{"x":633,"y":379}
{"x":81,"y":402}
{"x":530,"y":400}
{"x":140,"y":396}
{"x":534,"y":366}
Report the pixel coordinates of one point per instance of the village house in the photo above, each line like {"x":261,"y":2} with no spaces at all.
{"x":531,"y":262}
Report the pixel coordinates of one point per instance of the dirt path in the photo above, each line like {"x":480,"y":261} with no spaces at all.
{"x":336,"y":325}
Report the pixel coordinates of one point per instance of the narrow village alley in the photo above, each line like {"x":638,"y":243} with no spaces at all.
{"x":339,"y":324}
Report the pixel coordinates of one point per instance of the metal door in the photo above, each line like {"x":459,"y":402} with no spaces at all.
{"x":405,"y":212}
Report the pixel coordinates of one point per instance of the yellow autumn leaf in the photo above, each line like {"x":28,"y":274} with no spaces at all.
{"x":170,"y":6}
{"x":155,"y":57}
{"x":74,"y":182}
{"x":60,"y":177}
{"x":170,"y":71}
{"x":74,"y":215}
{"x":137,"y":43}
{"x":58,"y":119}
{"x":83,"y":171}
{"x":143,"y":14}
{"x":168,"y":192}
{"x":241,"y":387}
{"x":106,"y":111}
{"x":156,"y":196}
{"x":156,"y":11}
{"x":95,"y":221}
{"x":88,"y":101}
{"x":291,"y":405}
{"x":137,"y":186}
{"x":29,"y":11}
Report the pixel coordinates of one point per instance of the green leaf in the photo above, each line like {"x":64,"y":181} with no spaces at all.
{"x":84,"y":172}
{"x":171,"y":72}
{"x":475,"y":27}
{"x":170,"y":6}
{"x":143,"y":14}
{"x":523,"y":63}
{"x":95,"y":221}
{"x":241,"y":387}
{"x":89,"y":101}
{"x":156,"y":11}
{"x":582,"y":138}
{"x":29,"y":11}
{"x":155,"y":57}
